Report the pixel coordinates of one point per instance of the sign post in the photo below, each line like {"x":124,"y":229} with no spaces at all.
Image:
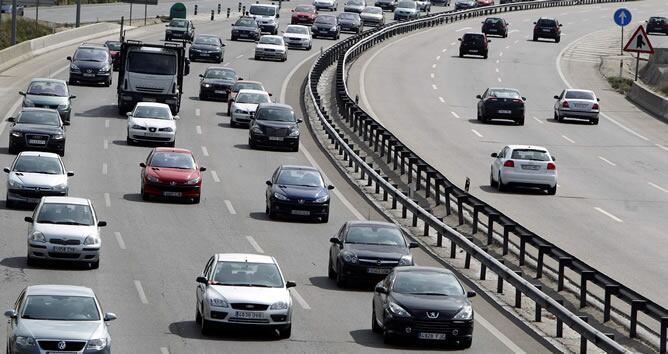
{"x":639,"y":43}
{"x":622,"y":17}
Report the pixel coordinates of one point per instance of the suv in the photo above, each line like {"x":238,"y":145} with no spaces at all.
{"x":266,"y":16}
{"x":91,"y":63}
{"x":274,"y":124}
{"x":496,"y":26}
{"x":657,"y":25}
{"x":180,"y":28}
{"x":547,"y":28}
{"x":474,"y":43}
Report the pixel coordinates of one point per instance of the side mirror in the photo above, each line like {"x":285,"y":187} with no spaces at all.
{"x":69,"y":58}
{"x":413,"y":245}
{"x":11,"y":119}
{"x":22,"y":93}
{"x":201,"y":75}
{"x":556,"y":97}
{"x":335,"y":240}
{"x":109,"y":316}
{"x":524,"y":98}
{"x":293,"y":10}
{"x":70,"y":173}
{"x":129,"y":114}
{"x":489,"y":40}
{"x":478,"y":97}
{"x":299,"y":121}
{"x":28,"y":219}
{"x":470,"y":293}
{"x":101,"y":223}
{"x":166,"y":25}
{"x":494,"y":155}
{"x":241,"y":79}
{"x":202,"y":280}
{"x":290,"y":284}
{"x":330,"y":187}
{"x":202,"y":169}
{"x":73,"y":97}
{"x":534,"y":23}
{"x":268,"y":183}
{"x":381,"y":290}
{"x":223,"y":45}
{"x":554,"y":158}
{"x":10,"y":313}
{"x":141,"y":164}
{"x":6,"y":169}
{"x":278,"y":15}
{"x":598,"y":99}
{"x":560,"y":25}
{"x":459,"y":39}
{"x":176,"y":117}
{"x":270,"y":94}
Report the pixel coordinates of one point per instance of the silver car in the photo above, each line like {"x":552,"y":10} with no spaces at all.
{"x":580,"y":104}
{"x":33,"y":175}
{"x":64,"y":229}
{"x":356,"y":6}
{"x":49,"y":93}
{"x":372,"y":16}
{"x":58,"y":319}
{"x":406,"y":10}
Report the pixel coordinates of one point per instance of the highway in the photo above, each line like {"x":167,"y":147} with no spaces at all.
{"x":612,"y":201}
{"x":152,"y":251}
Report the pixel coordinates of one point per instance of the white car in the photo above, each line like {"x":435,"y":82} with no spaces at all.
{"x":271,"y":47}
{"x":524,"y":166}
{"x":245,"y":104}
{"x":243,"y":289}
{"x":151,"y":122}
{"x":330,"y":5}
{"x":298,"y":36}
{"x":580,"y":104}
{"x":64,"y":229}
{"x":33,"y":175}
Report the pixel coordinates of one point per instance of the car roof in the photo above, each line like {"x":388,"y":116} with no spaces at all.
{"x":71,"y":290}
{"x":297,"y":26}
{"x":271,"y":36}
{"x":35,"y":109}
{"x":264,"y":5}
{"x":171,"y":149}
{"x":547,"y":18}
{"x":275,"y":105}
{"x":372,"y":223}
{"x":245,"y":257}
{"x":253,"y":91}
{"x":220,"y":68}
{"x":298,"y":167}
{"x":38,"y":153}
{"x":43,"y":79}
{"x":206,"y":35}
{"x":152,"y":104}
{"x":411,"y":269}
{"x":93,"y":46}
{"x":66,"y":200}
{"x":503,"y":88}
{"x":474,"y":33}
{"x":532,"y":147}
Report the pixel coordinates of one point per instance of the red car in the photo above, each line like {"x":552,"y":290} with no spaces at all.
{"x":303,"y":14}
{"x":115,"y":52}
{"x":485,"y":3}
{"x":171,"y":172}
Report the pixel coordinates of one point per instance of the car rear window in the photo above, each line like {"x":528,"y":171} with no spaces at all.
{"x":505,"y":94}
{"x":547,"y":23}
{"x":410,"y":4}
{"x":247,"y":85}
{"x":372,"y":10}
{"x":493,"y":20}
{"x":580,"y":95}
{"x":477,"y":38}
{"x":246,"y":22}
{"x":530,"y":154}
{"x":658,"y":20}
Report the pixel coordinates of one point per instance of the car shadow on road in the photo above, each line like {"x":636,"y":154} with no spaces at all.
{"x":20,"y":263}
{"x":136,"y":197}
{"x":569,"y":121}
{"x":541,"y":40}
{"x":191,"y":330}
{"x":104,"y":111}
{"x":325,"y":283}
{"x":513,"y":190}
{"x":262,"y":216}
{"x":242,"y":146}
{"x":492,"y":122}
{"x":222,"y":114}
{"x":368,"y":338}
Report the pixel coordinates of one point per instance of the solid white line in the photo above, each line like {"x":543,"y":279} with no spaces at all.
{"x":106,"y":144}
{"x":607,"y":161}
{"x":226,"y":64}
{"x":107,"y":200}
{"x":500,"y":336}
{"x":438,"y":57}
{"x":608,"y":214}
{"x":441,"y":99}
{"x":119,"y":239}
{"x":476,"y":133}
{"x":214,"y":175}
{"x":455,"y":114}
{"x":538,"y":120}
{"x":205,"y":152}
{"x":431,"y":75}
{"x":239,"y":56}
{"x":197,"y":112}
{"x":568,"y":139}
{"x":140,"y":292}
{"x":164,"y":350}
{"x":463,"y":29}
{"x":658,"y":187}
{"x":497,"y":70}
{"x":230,"y":208}
{"x":661,"y":146}
{"x":444,"y":50}
{"x":434,"y":87}
{"x":433,"y":66}
{"x":255,"y":245}
{"x":104,"y":168}
{"x":198,"y":129}
{"x":106,"y":123}
{"x":300,"y":299}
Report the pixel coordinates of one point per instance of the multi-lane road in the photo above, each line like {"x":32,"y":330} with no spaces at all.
{"x":152,"y":251}
{"x":612,"y":201}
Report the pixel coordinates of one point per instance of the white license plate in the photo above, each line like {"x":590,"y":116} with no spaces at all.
{"x":151,"y":134}
{"x":61,"y":352}
{"x":546,"y":30}
{"x":492,"y":29}
{"x":219,"y":91}
{"x":473,"y":50}
{"x":432,"y":336}
{"x":276,"y":138}
{"x":204,"y":55}
{"x":243,"y":35}
{"x":580,"y":105}
{"x":250,"y":315}
{"x":89,"y":75}
{"x":148,"y":99}
{"x":37,"y":142}
{"x":378,"y":270}
{"x":530,"y":167}
{"x":504,"y":111}
{"x":63,"y":249}
{"x":301,"y":212}
{"x":171,"y":194}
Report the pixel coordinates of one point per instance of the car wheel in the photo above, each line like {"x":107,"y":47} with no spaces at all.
{"x":374,"y":322}
{"x":201,"y":96}
{"x":465,"y":343}
{"x":286,"y":332}
{"x":461,"y":54}
{"x":557,"y":40}
{"x":552,"y":190}
{"x":295,"y":148}
{"x":144,"y":196}
{"x":233,"y":124}
{"x":108,"y":83}
{"x":499,"y":184}
{"x":387,"y":337}
{"x":484,"y":56}
{"x":61,"y":152}
{"x":594,"y":121}
{"x":95,"y":265}
{"x":521,"y":121}
{"x":171,"y":143}
{"x":556,"y":117}
{"x":196,"y":200}
{"x":492,"y":183}
{"x":535,"y":38}
{"x":271,"y":212}
{"x":234,"y":38}
{"x":251,"y":144}
{"x":341,"y":281}
{"x":257,"y":57}
{"x":205,"y":327}
{"x":198,"y":316}
{"x":331,"y":274}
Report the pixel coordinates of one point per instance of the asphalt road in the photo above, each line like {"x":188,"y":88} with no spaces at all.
{"x":152,"y":251}
{"x":611,"y":206}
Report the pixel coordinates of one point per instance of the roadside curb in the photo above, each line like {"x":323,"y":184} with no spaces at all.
{"x":649,"y":101}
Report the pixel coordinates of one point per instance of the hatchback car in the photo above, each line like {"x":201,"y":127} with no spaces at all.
{"x":297,"y":36}
{"x":37,"y":129}
{"x":547,"y":28}
{"x":580,"y":104}
{"x":216,"y":83}
{"x":657,"y":24}
{"x":242,"y":85}
{"x":171,"y":173}
{"x":34,"y":175}
{"x":207,"y":48}
{"x":386,"y":4}
{"x":58,"y":319}
{"x":330,"y":5}
{"x":465,"y":4}
{"x":474,"y":44}
{"x":274,"y":124}
{"x":49,"y":93}
{"x":524,"y":166}
{"x":350,"y":22}
{"x":115,"y":52}
{"x":151,"y":122}
{"x":326,"y":26}
{"x":180,"y":28}
{"x":372,"y":16}
{"x":406,"y":10}
{"x":367,"y":250}
{"x":245,"y":28}
{"x":64,"y":229}
{"x":271,"y":47}
{"x":245,"y":105}
{"x":297,"y":191}
{"x":303,"y":14}
{"x":91,"y":63}
{"x":423,"y":303}
{"x":501,"y":103}
{"x":496,"y":26}
{"x":249,"y":290}
{"x":356,"y":6}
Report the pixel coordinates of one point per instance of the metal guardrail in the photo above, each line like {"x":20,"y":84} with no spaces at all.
{"x":422,"y":175}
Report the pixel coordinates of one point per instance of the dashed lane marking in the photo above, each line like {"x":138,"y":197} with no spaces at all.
{"x":658,"y":187}
{"x":214,"y":175}
{"x":106,"y":144}
{"x":106,"y":123}
{"x":455,"y":114}
{"x":141,"y":293}
{"x":608,"y":214}
{"x":441,"y":99}
{"x":607,"y":161}
{"x":107,"y":200}
{"x":255,"y":245}
{"x":230,"y":207}
{"x":431,"y":75}
{"x":434,"y":87}
{"x":463,"y":29}
{"x":300,"y":299}
{"x":476,"y":133}
{"x":205,"y":152}
{"x":197,"y":112}
{"x":164,"y":350}
{"x":433,"y":66}
{"x":538,"y":120}
{"x":198,"y":129}
{"x":119,"y":239}
{"x":568,"y":139}
{"x":104,"y":168}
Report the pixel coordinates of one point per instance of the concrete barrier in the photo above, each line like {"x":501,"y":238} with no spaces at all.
{"x":649,"y":100}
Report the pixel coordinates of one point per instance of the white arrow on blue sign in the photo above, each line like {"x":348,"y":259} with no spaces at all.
{"x":622,"y":17}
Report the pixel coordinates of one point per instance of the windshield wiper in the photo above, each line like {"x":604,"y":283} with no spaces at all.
{"x":46,"y":222}
{"x":260,"y":285}
{"x":428,"y":293}
{"x":69,"y":223}
{"x":233,"y":284}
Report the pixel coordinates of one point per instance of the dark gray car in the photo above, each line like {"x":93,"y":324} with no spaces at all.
{"x":274,"y":124}
{"x":49,"y":93}
{"x":350,"y":22}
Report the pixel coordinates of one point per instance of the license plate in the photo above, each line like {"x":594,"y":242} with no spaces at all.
{"x":243,"y":35}
{"x":171,"y":194}
{"x":504,"y":111}
{"x":378,"y":270}
{"x":250,"y":315}
{"x":151,"y":134}
{"x":546,"y":30}
{"x":580,"y":105}
{"x":89,"y":75}
{"x":37,"y":142}
{"x":301,"y":212}
{"x":276,"y":138}
{"x":219,"y":91}
{"x":492,"y":29}
{"x":204,"y":55}
{"x":432,"y":336}
{"x":63,"y":249}
{"x":473,"y":50}
{"x":530,"y":167}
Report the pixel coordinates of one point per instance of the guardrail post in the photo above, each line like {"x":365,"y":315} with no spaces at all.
{"x":635,"y":306}
{"x":403,"y":210}
{"x":662,"y":335}
{"x":584,"y":277}
{"x":418,"y":179}
{"x":610,"y":289}
{"x":583,"y":340}
{"x":560,"y":323}
{"x":538,"y":312}
{"x":453,"y":249}
{"x":518,"y":293}
{"x":563,"y":262}
{"x":429,"y":176}
{"x":499,"y":279}
{"x":483,"y":267}
{"x":491,"y":217}
{"x":411,"y":161}
{"x":439,"y":235}
{"x":394,"y":197}
{"x":476,"y":210}
{"x":212,"y":12}
{"x":507,"y":229}
{"x":542,"y":249}
{"x":467,"y":257}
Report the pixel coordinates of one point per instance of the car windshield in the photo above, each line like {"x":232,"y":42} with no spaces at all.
{"x":152,"y":63}
{"x":38,"y":164}
{"x":470,"y":37}
{"x":271,"y":40}
{"x":580,"y":95}
{"x":247,"y":85}
{"x":39,"y":117}
{"x":255,"y":98}
{"x":373,"y":10}
{"x":297,"y":29}
{"x":356,"y":2}
{"x":265,"y":275}
{"x":115,"y":46}
{"x":406,"y":4}
{"x":65,"y":214}
{"x":178,"y":160}
{"x":546,"y":23}
{"x":530,"y":154}
{"x":60,"y":308}
{"x":348,"y":16}
{"x":375,"y":235}
{"x":262,"y":10}
{"x":152,"y":112}
{"x":178,"y":23}
{"x":427,"y":283}
{"x":220,"y":74}
{"x":505,"y":94}
{"x":206,"y":40}
{"x":276,"y":114}
{"x":90,"y":54}
{"x":246,"y":22}
{"x":326,"y":20}
{"x":297,"y":177}
{"x":305,"y":8}
{"x":47,"y":88}
{"x":493,"y":20}
{"x":657,"y":20}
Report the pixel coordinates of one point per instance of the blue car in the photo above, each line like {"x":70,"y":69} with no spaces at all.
{"x":298,"y":191}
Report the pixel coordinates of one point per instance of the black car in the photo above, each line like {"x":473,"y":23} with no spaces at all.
{"x":180,"y":28}
{"x":274,"y":124}
{"x":207,"y":47}
{"x":367,"y":249}
{"x":297,"y":191}
{"x":657,"y":25}
{"x":91,"y":63}
{"x":350,"y":22}
{"x":37,"y":129}
{"x":326,"y":26}
{"x":501,"y":103}
{"x":547,"y":28}
{"x":115,"y":52}
{"x":423,"y":303}
{"x":386,"y":4}
{"x":216,"y":83}
{"x":496,"y":26}
{"x":474,"y":44}
{"x":245,"y":28}
{"x":441,"y":2}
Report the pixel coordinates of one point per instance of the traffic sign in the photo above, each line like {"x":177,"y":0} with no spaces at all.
{"x":639,"y":42}
{"x":622,"y":17}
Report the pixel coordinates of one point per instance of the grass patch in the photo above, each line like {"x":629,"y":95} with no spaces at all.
{"x":25,"y":30}
{"x":620,"y":84}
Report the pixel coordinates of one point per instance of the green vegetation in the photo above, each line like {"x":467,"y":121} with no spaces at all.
{"x":620,"y":84}
{"x":25,"y":30}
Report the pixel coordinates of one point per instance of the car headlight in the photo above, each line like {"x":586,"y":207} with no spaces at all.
{"x":280,"y":196}
{"x":167,"y":129}
{"x":25,"y":341}
{"x":138,"y":127}
{"x":206,"y":85}
{"x":15,"y":182}
{"x":74,"y":67}
{"x":58,"y":137}
{"x":91,"y":240}
{"x":218,"y":302}
{"x":235,"y":30}
{"x":105,"y":68}
{"x":349,"y":257}
{"x":61,"y":186}
{"x":333,"y":28}
{"x":406,"y":260}
{"x":240,"y":111}
{"x":194,"y":49}
{"x":153,"y":178}
{"x":37,"y":237}
{"x":28,"y":103}
{"x":17,"y":134}
{"x":281,"y":305}
{"x":466,"y":313}
{"x":194,"y":180}
{"x":397,"y":310}
{"x":62,"y":107}
{"x":257,"y":130}
{"x":322,"y":199}
{"x":97,"y":344}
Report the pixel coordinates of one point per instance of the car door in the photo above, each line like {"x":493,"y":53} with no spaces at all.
{"x":481,"y":101}
{"x":380,"y":300}
{"x":201,"y":288}
{"x":557,"y":104}
{"x":142,"y":175}
{"x":13,"y":322}
{"x":335,"y":248}
{"x":498,"y":161}
{"x":274,"y":178}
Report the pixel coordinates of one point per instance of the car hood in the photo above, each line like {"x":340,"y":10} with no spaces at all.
{"x":370,"y":15}
{"x":354,"y":6}
{"x":261,"y":18}
{"x":251,"y":294}
{"x":296,"y":35}
{"x":301,"y":193}
{"x":208,"y":80}
{"x":377,"y":251}
{"x":466,"y":2}
{"x":176,"y":29}
{"x":418,"y":305}
{"x":245,"y":28}
{"x":38,"y":179}
{"x":248,"y":107}
{"x":348,"y":22}
{"x":151,"y":122}
{"x":324,"y":25}
{"x":303,"y":14}
{"x":269,"y":46}
{"x":89,"y":64}
{"x":50,"y":100}
{"x":37,"y":128}
{"x":78,"y":232}
{"x":205,"y":47}
{"x":405,"y":10}
{"x":173,"y":174}
{"x":76,"y":330}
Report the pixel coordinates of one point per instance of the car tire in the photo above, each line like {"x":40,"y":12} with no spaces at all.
{"x":331,"y":274}
{"x":465,"y":343}
{"x":61,"y":152}
{"x":552,"y":190}
{"x":270,"y":211}
{"x":461,"y":54}
{"x":341,"y":280}
{"x":256,"y":57}
{"x":492,"y":183}
{"x":196,"y":200}
{"x":233,"y":124}
{"x":535,"y":38}
{"x":295,"y":148}
{"x":594,"y":121}
{"x":107,"y":83}
{"x":499,"y":184}
{"x":205,"y":327}
{"x":251,"y":144}
{"x":234,"y":38}
{"x":200,"y":96}
{"x":484,"y":56}
{"x":557,"y":40}
{"x":374,"y":321}
{"x":324,"y":219}
{"x":556,"y":117}
{"x":198,"y":316}
{"x":9,"y":203}
{"x":31,"y":262}
{"x":285,"y":332}
{"x":521,"y":121}
{"x":144,"y":196}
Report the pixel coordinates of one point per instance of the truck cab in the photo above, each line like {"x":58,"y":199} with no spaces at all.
{"x":266,"y":17}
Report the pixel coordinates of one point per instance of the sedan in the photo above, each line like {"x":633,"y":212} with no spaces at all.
{"x":245,"y":28}
{"x":465,"y":4}
{"x":356,"y":6}
{"x":298,"y":36}
{"x":216,"y":82}
{"x":423,"y":303}
{"x":274,"y":124}
{"x":242,"y":85}
{"x":271,"y":47}
{"x":367,"y":250}
{"x":58,"y":318}
{"x":406,"y":10}
{"x":350,"y":22}
{"x":37,"y":129}
{"x":297,"y":191}
{"x":303,"y":14}
{"x":171,"y":172}
{"x":580,"y":104}
{"x":245,"y":105}
{"x":386,"y":4}
{"x":49,"y":93}
{"x":373,"y":16}
{"x":657,"y":24}
{"x":326,"y":26}
{"x":207,"y":47}
{"x":115,"y":51}
{"x":501,"y":103}
{"x":34,"y":175}
{"x":524,"y":166}
{"x":151,"y":122}
{"x":330,"y":5}
{"x":64,"y":229}
{"x":482,"y":3}
{"x":496,"y":26}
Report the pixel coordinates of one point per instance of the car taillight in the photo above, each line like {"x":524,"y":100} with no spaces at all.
{"x":551,"y":166}
{"x":565,"y":104}
{"x":509,"y":163}
{"x":594,"y":106}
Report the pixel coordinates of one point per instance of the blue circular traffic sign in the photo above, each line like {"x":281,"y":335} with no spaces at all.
{"x":622,"y":17}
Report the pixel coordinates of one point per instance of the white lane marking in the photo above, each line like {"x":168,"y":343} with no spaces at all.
{"x":205,"y":152}
{"x":498,"y":61}
{"x":106,"y":144}
{"x":214,"y":175}
{"x":198,"y":129}
{"x":119,"y":239}
{"x":106,"y":123}
{"x":104,"y":168}
{"x":140,"y":292}
{"x":255,"y":245}
{"x":455,"y":114}
{"x":300,"y":299}
{"x":538,"y":120}
{"x":658,"y":187}
{"x":498,"y":79}
{"x":463,"y":29}
{"x":568,"y":139}
{"x":230,"y":208}
{"x":226,"y":64}
{"x":441,"y":99}
{"x":516,"y":41}
{"x":500,"y":336}
{"x":607,"y":161}
{"x":431,"y":75}
{"x":11,"y":111}
{"x":453,"y":43}
{"x":433,"y":66}
{"x":164,"y":350}
{"x":513,"y":31}
{"x":497,"y":70}
{"x":444,"y":50}
{"x":239,"y":56}
{"x":434,"y":87}
{"x":608,"y":214}
{"x":659,"y":145}
{"x":284,"y":85}
{"x":476,"y":133}
{"x":197,"y":112}
{"x":438,"y":57}
{"x":500,"y":54}
{"x":507,"y":47}
{"x":107,"y":200}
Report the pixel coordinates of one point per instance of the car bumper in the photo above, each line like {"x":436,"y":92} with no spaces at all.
{"x":474,"y":51}
{"x":15,"y":349}
{"x":577,"y":114}
{"x":229,"y":316}
{"x":270,"y":55}
{"x":175,"y":191}
{"x":246,"y":35}
{"x":158,"y":137}
{"x":517,"y":178}
{"x":32,"y":196}
{"x":541,"y":34}
{"x":268,"y":28}
{"x":362,"y":271}
{"x":130,"y":99}
{"x":264,"y":140}
{"x":98,"y":77}
{"x":350,"y":28}
{"x":214,"y":92}
{"x":325,"y":33}
{"x":177,"y":35}
{"x":292,"y":43}
{"x":325,"y":6}
{"x":294,"y":208}
{"x":48,"y":251}
{"x":240,"y":118}
{"x":302,"y":20}
{"x":412,"y":328}
{"x":21,"y":144}
{"x":205,"y":56}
